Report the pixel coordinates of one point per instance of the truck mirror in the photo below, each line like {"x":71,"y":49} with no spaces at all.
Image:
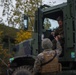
{"x":25,"y":22}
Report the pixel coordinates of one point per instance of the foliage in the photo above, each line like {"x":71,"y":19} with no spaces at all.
{"x":8,"y":7}
{"x":14,"y":13}
{"x":0,"y":36}
{"x":47,"y":23}
{"x":4,"y":56}
{"x":1,"y":33}
{"x":23,"y":35}
{"x":4,"y":59}
{"x":27,"y":7}
{"x":4,"y":53}
{"x":6,"y":30}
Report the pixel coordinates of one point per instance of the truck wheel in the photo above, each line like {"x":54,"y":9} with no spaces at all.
{"x":23,"y":70}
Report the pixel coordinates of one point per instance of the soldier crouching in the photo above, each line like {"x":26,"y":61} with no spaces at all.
{"x":46,"y":62}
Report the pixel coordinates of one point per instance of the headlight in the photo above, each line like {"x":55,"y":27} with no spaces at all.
{"x":11,"y":59}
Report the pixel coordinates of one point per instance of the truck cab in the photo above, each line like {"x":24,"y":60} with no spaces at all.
{"x":67,"y":12}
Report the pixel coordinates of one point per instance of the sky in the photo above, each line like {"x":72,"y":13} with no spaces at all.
{"x":48,"y":2}
{"x":54,"y":2}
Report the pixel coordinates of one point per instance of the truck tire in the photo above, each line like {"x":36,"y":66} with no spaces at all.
{"x":23,"y":70}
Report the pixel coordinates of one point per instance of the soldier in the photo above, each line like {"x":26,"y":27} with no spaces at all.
{"x":59,"y":32}
{"x":47,"y":61}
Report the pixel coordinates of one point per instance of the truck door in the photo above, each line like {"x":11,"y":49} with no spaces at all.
{"x":37,"y":32}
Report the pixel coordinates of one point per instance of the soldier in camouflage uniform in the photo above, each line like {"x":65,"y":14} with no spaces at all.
{"x":46,"y":55}
{"x":59,"y":32}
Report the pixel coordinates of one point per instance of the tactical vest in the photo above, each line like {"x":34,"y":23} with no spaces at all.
{"x":52,"y":66}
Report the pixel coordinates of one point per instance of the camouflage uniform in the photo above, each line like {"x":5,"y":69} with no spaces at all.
{"x":59,"y":31}
{"x":43,"y":57}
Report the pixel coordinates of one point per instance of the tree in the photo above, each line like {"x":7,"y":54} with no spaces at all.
{"x":26,"y":7}
{"x":4,"y":57}
{"x":47,"y":23}
{"x":8,"y":7}
{"x":0,"y":35}
{"x":23,"y":35}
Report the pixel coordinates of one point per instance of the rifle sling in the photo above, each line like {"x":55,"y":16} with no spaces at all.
{"x":49,"y":60}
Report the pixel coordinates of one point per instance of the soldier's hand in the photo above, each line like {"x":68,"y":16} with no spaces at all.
{"x":56,"y":38}
{"x":59,"y":36}
{"x":52,"y":33}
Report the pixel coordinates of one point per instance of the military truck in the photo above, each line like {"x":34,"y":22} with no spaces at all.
{"x":23,"y":63}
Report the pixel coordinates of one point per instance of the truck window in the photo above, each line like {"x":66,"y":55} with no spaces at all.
{"x":50,"y":24}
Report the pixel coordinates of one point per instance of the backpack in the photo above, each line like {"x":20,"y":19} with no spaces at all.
{"x":51,"y":63}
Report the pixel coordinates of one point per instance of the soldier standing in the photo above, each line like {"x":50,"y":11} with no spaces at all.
{"x":59,"y":32}
{"x":46,"y":62}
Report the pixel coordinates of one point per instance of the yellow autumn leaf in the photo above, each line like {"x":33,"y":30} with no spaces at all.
{"x":23,"y":35}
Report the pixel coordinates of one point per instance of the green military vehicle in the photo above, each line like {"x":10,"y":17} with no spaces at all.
{"x":22,"y":63}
